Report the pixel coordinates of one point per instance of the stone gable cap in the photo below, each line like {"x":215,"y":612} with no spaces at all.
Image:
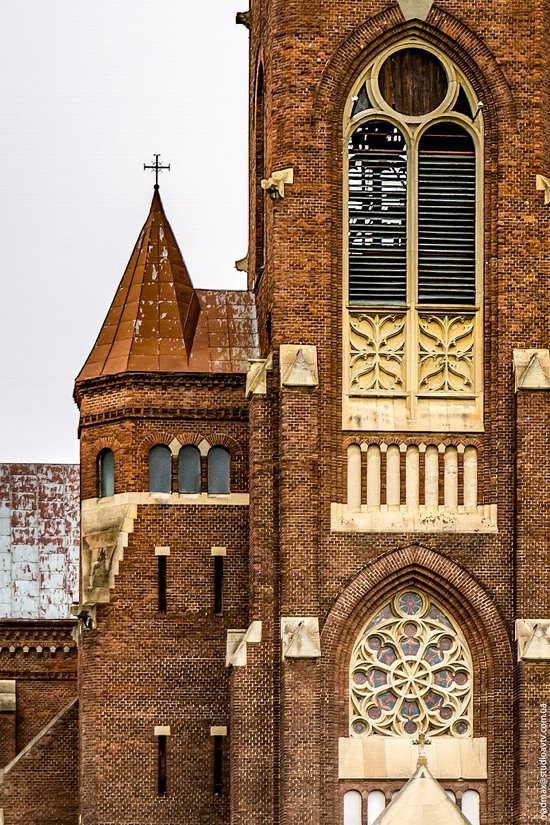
{"x":422,"y":801}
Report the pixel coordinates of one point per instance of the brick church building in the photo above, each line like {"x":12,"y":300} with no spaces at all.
{"x":314,"y":578}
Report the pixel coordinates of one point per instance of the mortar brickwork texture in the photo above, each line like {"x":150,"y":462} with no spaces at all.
{"x":141,"y":669}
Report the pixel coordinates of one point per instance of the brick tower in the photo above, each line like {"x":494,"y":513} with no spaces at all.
{"x":307,"y":548}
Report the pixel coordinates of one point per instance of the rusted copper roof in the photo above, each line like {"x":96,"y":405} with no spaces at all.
{"x":159,"y":323}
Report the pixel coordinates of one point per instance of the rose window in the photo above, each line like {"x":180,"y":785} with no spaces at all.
{"x":411,"y":672}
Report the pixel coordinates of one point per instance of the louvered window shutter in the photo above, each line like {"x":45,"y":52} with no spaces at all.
{"x":446,"y":216}
{"x":377,"y":214}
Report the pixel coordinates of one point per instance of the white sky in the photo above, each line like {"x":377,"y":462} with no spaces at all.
{"x":89,"y":90}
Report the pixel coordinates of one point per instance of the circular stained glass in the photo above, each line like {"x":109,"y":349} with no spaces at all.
{"x":411,"y":676}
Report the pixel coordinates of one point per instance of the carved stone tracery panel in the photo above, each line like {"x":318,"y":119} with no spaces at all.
{"x":411,"y":672}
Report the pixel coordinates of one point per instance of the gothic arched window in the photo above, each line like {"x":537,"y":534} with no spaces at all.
{"x":414,"y":252}
{"x":160,"y":469}
{"x":189,"y":469}
{"x":411,"y":671}
{"x":106,"y":473}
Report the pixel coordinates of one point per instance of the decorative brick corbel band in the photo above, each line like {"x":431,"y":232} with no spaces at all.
{"x":532,"y":369}
{"x":533,"y":638}
{"x":256,"y":377}
{"x":237,"y":642}
{"x":298,"y":363}
{"x":300,"y":637}
{"x":275,"y":184}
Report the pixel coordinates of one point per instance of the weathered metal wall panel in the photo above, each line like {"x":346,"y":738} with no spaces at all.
{"x":39,"y":540}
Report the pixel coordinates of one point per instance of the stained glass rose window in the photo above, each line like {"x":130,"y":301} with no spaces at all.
{"x":411,"y":671}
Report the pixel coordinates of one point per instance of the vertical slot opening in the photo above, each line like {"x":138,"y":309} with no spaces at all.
{"x":162,"y":766}
{"x":161,"y":576}
{"x":218,"y":585}
{"x":218,"y":765}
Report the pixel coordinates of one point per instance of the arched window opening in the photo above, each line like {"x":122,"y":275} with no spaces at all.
{"x":446,"y":216}
{"x":353,"y":808}
{"x":160,"y":469}
{"x":106,"y":473}
{"x":377,"y":214}
{"x":411,"y":671}
{"x":218,"y":471}
{"x":376,"y":803}
{"x":189,"y":469}
{"x":414,"y":267}
{"x":470,"y":806}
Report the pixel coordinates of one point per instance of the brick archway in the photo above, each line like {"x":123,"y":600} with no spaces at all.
{"x":474,"y":611}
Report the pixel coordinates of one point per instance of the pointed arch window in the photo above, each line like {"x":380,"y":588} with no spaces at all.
{"x":414,"y":246}
{"x":106,"y":473}
{"x":160,"y":469}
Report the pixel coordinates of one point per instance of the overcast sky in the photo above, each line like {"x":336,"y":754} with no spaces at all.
{"x":89,"y":90}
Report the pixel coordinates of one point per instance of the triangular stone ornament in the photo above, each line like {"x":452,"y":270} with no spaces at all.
{"x":299,"y":366}
{"x":532,"y":369}
{"x":415,"y":9}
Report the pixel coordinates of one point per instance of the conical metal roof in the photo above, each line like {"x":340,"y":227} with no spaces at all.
{"x":158,"y":322}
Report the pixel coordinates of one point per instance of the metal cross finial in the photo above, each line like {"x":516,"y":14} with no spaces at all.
{"x":157,"y":167}
{"x":422,"y":743}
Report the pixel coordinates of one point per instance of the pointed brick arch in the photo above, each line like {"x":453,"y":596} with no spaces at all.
{"x":442,"y":30}
{"x":471,"y":607}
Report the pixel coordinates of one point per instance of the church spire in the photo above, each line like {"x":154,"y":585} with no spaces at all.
{"x":151,"y":324}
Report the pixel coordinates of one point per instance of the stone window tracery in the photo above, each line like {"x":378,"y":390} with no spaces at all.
{"x":414,"y":245}
{"x":411,"y":671}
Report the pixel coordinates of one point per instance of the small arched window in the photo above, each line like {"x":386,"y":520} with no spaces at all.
{"x":189,"y":469}
{"x":353,"y":808}
{"x":470,"y":806}
{"x":106,"y":473}
{"x":218,"y":471}
{"x":376,"y":802}
{"x":160,"y":469}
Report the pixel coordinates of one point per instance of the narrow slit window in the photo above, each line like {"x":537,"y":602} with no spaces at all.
{"x":189,"y":469}
{"x":218,"y":765}
{"x":218,"y":471}
{"x":162,"y":766}
{"x":377,"y":214}
{"x":106,"y":473}
{"x":161,"y":578}
{"x":446,"y":216}
{"x":160,"y":469}
{"x":218,"y":585}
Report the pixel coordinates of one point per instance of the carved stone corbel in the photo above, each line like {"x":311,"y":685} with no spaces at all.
{"x":533,"y":638}
{"x":532,"y":369}
{"x":300,"y":637}
{"x":105,"y":531}
{"x":543,"y":185}
{"x":256,"y":377}
{"x":244,"y":18}
{"x":275,"y":185}
{"x":237,"y":641}
{"x":298,"y":365}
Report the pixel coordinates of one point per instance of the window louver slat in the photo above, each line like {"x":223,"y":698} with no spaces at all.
{"x":446,"y":216}
{"x":377,"y":214}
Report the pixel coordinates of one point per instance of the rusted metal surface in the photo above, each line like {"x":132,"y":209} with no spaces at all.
{"x":159,"y":322}
{"x":39,"y":540}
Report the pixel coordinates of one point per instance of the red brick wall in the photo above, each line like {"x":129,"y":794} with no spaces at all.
{"x":40,"y":787}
